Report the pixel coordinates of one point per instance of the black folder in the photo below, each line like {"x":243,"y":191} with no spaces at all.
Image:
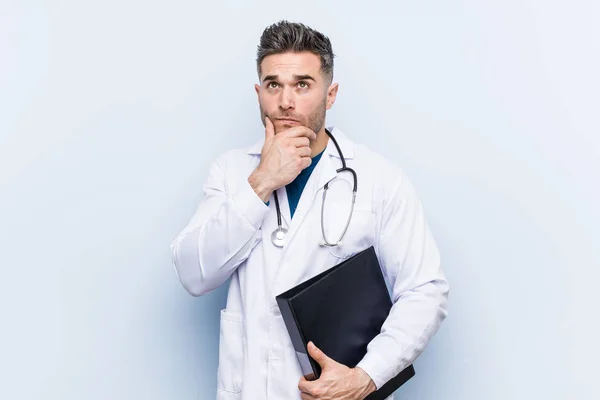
{"x":340,"y":310}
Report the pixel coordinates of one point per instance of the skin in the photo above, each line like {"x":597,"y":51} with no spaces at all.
{"x":337,"y":381}
{"x":294,"y":96}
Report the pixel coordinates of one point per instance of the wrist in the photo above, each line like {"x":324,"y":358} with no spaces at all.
{"x":261,"y":185}
{"x":365,"y":381}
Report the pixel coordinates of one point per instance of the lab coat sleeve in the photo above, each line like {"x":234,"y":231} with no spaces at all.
{"x":411,"y":264}
{"x":221,"y":234}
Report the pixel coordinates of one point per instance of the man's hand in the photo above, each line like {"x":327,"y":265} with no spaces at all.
{"x":282,"y":159}
{"x":337,"y":381}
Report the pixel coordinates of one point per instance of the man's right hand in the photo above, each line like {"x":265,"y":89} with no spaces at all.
{"x":282,"y":159}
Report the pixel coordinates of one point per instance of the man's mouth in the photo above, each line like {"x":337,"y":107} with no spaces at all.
{"x":288,"y":121}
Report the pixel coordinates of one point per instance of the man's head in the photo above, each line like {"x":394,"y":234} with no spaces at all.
{"x":295,"y":70}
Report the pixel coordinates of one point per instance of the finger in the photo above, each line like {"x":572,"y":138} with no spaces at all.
{"x":318,"y":355}
{"x":269,"y":128}
{"x":306,"y":396}
{"x":305,"y":162}
{"x":304,"y":151}
{"x":300,"y":141}
{"x":300,"y":131}
{"x":306,"y":387}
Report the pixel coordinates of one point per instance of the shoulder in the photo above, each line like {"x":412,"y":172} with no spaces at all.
{"x":384,"y":177}
{"x":237,"y":157}
{"x":234,"y":165}
{"x":365,"y":154}
{"x":377,"y":166}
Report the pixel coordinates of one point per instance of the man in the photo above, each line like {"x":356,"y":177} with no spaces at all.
{"x":232,"y":234}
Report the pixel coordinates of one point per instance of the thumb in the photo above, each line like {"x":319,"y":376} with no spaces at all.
{"x":269,"y":128}
{"x":318,"y":355}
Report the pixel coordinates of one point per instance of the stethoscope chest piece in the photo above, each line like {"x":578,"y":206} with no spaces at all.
{"x":278,"y":236}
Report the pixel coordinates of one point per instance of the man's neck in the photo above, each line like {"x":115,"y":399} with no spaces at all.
{"x":318,"y":145}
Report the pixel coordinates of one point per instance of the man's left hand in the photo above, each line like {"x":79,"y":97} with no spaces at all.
{"x":337,"y":381}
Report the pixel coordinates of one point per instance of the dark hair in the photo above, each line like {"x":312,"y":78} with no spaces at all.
{"x":285,"y":36}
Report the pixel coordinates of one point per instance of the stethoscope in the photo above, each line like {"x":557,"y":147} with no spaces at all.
{"x":279,"y":234}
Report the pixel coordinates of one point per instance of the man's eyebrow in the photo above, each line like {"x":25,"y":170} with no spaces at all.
{"x":304,"y":77}
{"x":270,"y":78}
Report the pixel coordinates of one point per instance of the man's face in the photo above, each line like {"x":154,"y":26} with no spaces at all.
{"x":293,"y":91}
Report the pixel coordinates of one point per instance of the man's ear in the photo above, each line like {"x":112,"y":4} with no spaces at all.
{"x":332,"y":94}
{"x":257,"y":88}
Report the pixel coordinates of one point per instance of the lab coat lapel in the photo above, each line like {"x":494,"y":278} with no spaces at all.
{"x":309,"y":201}
{"x":290,"y":266}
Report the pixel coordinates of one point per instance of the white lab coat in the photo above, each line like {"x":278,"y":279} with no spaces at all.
{"x":230,"y":236}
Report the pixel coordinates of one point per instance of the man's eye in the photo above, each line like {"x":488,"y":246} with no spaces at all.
{"x":272,"y":85}
{"x":302,"y":85}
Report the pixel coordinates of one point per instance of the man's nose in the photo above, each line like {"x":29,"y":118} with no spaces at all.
{"x":286,"y":100}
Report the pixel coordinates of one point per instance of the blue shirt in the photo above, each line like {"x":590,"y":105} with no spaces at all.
{"x":294,"y":189}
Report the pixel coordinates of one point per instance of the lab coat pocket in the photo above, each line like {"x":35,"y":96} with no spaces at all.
{"x":232,"y":347}
{"x":359,"y":236}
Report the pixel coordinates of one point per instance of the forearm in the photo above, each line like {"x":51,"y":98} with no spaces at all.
{"x":413,"y":320}
{"x":219,"y":238}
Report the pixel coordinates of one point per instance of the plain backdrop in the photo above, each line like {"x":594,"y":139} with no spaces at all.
{"x":112,"y":111}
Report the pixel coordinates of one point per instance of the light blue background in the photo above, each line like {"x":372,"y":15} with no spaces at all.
{"x":111,"y":112}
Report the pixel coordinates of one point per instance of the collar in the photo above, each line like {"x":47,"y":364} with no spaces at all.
{"x":346,"y":145}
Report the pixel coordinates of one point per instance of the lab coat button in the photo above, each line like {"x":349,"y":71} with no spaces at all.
{"x":275,"y":311}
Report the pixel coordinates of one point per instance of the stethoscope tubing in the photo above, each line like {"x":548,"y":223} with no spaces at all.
{"x":278,"y":236}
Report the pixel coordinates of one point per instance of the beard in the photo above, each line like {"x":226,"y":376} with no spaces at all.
{"x":315,"y":120}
